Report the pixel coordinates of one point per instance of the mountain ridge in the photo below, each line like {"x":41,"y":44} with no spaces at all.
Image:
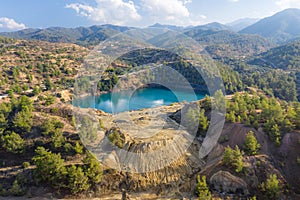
{"x":280,"y":27}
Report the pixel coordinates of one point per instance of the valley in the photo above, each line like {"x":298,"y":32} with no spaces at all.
{"x":66,"y":132}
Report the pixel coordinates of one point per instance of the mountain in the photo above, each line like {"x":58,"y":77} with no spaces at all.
{"x":285,"y":57}
{"x":163,"y":26}
{"x":228,"y":44}
{"x":217,"y":38}
{"x":214,"y":26}
{"x":240,"y":24}
{"x":80,"y":35}
{"x":280,"y":27}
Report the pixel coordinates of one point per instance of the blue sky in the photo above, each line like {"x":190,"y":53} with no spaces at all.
{"x":19,"y":14}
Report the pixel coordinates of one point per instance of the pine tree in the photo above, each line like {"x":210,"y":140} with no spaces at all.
{"x":234,"y":158}
{"x":23,"y":121}
{"x":203,"y":189}
{"x":203,"y":122}
{"x":50,"y":167}
{"x":77,"y":180}
{"x":275,"y":134}
{"x":230,"y":117}
{"x":238,"y":159}
{"x":93,"y":169}
{"x":251,"y":144}
{"x":13,"y":142}
{"x":271,"y":187}
{"x":219,"y":103}
{"x":228,"y":155}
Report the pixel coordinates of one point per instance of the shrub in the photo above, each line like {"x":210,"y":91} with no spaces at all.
{"x":13,"y":143}
{"x":50,"y":126}
{"x":115,"y":138}
{"x":16,"y":189}
{"x":251,"y":144}
{"x":77,"y":180}
{"x":234,"y":158}
{"x":49,"y":100}
{"x":68,"y":147}
{"x":49,"y":167}
{"x":203,"y":189}
{"x":57,"y":139}
{"x":78,"y":148}
{"x":26,"y":165}
{"x":271,"y":187}
{"x":23,"y":121}
{"x":93,"y":170}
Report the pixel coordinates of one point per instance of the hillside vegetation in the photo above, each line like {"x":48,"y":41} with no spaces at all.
{"x":257,"y":155}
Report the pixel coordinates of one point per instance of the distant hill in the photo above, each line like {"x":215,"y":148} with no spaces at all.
{"x":80,"y":35}
{"x":214,"y":26}
{"x":240,"y":24}
{"x":171,"y":27}
{"x":228,"y":44}
{"x":280,"y":27}
{"x":219,"y":40}
{"x":285,"y":57}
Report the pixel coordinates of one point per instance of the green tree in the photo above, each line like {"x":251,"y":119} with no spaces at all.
{"x":50,"y":125}
{"x":219,"y":102}
{"x":50,"y":167}
{"x":23,"y":121}
{"x":16,"y":189}
{"x":251,"y":144}
{"x":234,"y":158}
{"x":203,"y":189}
{"x":228,"y":155}
{"x":78,"y":148}
{"x":77,"y":180}
{"x":272,"y":187}
{"x":49,"y":100}
{"x":57,"y":139}
{"x":115,"y":138}
{"x":275,"y":134}
{"x":238,"y":159}
{"x":13,"y":142}
{"x":36,"y":90}
{"x":297,"y":116}
{"x":93,"y":169}
{"x":3,"y":122}
{"x":287,"y":126}
{"x":230,"y":117}
{"x":203,"y":122}
{"x":48,"y":84}
{"x":24,"y":104}
{"x":191,"y":119}
{"x":207,"y":103}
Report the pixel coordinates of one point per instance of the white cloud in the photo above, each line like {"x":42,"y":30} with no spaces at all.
{"x":146,"y":12}
{"x":187,"y":1}
{"x":81,"y":9}
{"x":283,"y":4}
{"x":10,"y":24}
{"x":234,"y":1}
{"x":167,"y":11}
{"x":203,"y":16}
{"x":116,"y":12}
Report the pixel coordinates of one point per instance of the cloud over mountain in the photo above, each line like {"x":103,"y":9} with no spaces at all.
{"x":108,"y":11}
{"x":10,"y":24}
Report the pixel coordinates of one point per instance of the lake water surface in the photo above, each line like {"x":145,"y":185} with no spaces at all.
{"x":142,"y":98}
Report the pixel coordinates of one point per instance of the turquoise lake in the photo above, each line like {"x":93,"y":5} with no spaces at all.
{"x":141,"y":98}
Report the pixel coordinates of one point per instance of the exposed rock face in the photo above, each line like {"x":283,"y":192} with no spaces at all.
{"x":164,"y":153}
{"x":224,"y":181}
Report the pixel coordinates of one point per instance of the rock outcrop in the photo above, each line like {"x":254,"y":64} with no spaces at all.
{"x":158,"y":154}
{"x":224,"y":181}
